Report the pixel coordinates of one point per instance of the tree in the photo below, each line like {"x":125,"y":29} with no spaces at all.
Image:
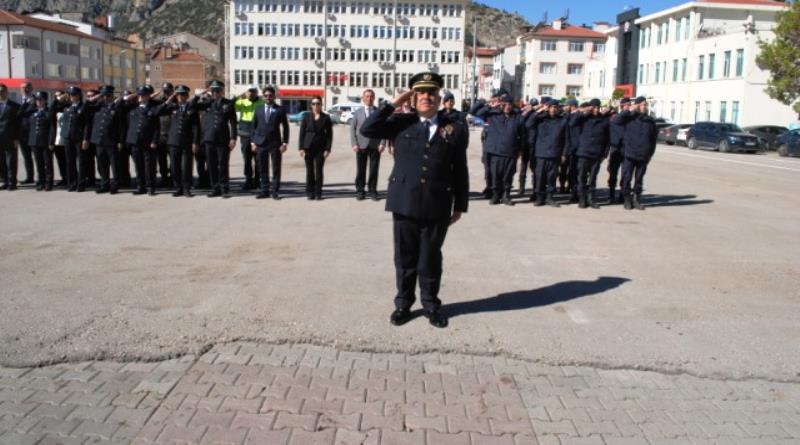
{"x":781,"y":57}
{"x":618,"y":94}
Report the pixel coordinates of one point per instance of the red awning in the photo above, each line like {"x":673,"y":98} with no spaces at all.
{"x":300,"y":92}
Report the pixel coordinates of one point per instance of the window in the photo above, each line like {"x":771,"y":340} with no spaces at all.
{"x":701,"y":67}
{"x":573,"y":90}
{"x":726,"y":65}
{"x":548,"y":45}
{"x":547,"y":90}
{"x":675,"y":70}
{"x":599,"y":48}
{"x":658,"y":71}
{"x":711,"y":59}
{"x":708,"y":111}
{"x":735,"y":113}
{"x":723,"y":111}
{"x":27,"y":42}
{"x":684,"y":69}
{"x":576,"y":47}
{"x":574,"y":68}
{"x":678,"y":23}
{"x":547,"y":68}
{"x":686,"y":31}
{"x":739,"y":62}
{"x":672,"y":111}
{"x":602,"y":79}
{"x":659,"y":35}
{"x":641,"y":74}
{"x":696,"y":111}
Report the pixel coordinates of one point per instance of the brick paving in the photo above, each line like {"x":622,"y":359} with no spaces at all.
{"x":245,"y":393}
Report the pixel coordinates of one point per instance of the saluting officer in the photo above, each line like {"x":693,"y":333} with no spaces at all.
{"x":428,"y":190}
{"x":9,"y":138}
{"x":103,"y":130}
{"x":183,"y":138}
{"x":28,"y":103}
{"x":568,"y":175}
{"x":505,"y":138}
{"x":592,"y":148}
{"x":142,"y":137}
{"x":551,"y":133}
{"x":639,"y":145}
{"x":219,"y":137}
{"x":74,"y":121}
{"x":449,"y":109}
{"x":41,"y":139}
{"x":615,"y":155}
{"x":527,"y":146}
{"x":162,"y":152}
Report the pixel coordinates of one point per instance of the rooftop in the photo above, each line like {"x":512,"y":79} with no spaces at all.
{"x":14,"y":19}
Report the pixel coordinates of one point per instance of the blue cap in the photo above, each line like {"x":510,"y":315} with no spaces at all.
{"x":545,"y":100}
{"x":572,"y":102}
{"x":534,"y":102}
{"x":639,"y":100}
{"x":507,"y":99}
{"x":448,"y":96}
{"x":625,"y":100}
{"x":595,"y":103}
{"x":554,"y":102}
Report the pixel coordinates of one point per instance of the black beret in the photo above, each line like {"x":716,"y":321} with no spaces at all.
{"x":448,"y":96}
{"x":167,"y":86}
{"x":625,"y":100}
{"x":639,"y":100}
{"x":595,"y":103}
{"x":572,"y":102}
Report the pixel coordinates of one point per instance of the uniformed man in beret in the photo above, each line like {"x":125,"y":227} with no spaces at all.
{"x":551,"y":133}
{"x":183,"y":138}
{"x":142,"y":137}
{"x":428,"y":190}
{"x":28,"y":102}
{"x":74,"y":121}
{"x":505,"y":138}
{"x":219,"y":136}
{"x":592,"y":148}
{"x":615,"y":156}
{"x":449,"y":109}
{"x":494,"y":101}
{"x":162,"y":152}
{"x":567,"y":176}
{"x":103,"y":131}
{"x":9,"y":138}
{"x":41,"y":138}
{"x":639,"y":145}
{"x":527,"y":146}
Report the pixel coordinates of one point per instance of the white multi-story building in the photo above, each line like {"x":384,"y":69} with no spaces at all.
{"x":696,"y":62}
{"x":337,"y":49}
{"x":504,"y":74}
{"x":555,"y":58}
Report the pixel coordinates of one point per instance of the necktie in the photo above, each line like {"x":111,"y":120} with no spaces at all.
{"x":2,"y":107}
{"x":267,"y":112}
{"x":367,"y":111}
{"x":428,"y":125}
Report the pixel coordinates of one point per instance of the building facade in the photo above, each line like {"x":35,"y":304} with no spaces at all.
{"x":337,"y":49}
{"x":696,"y":62}
{"x":187,"y":41}
{"x":182,"y":67}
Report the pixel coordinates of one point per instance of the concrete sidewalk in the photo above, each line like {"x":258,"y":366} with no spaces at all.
{"x":247,"y":393}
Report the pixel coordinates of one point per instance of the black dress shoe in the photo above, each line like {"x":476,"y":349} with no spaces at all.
{"x":140,"y":192}
{"x":361,"y":196}
{"x":39,"y":187}
{"x":12,"y":187}
{"x":81,"y":189}
{"x":374,"y":196}
{"x":151,"y":192}
{"x":73,"y":188}
{"x":437,"y":319}
{"x":188,"y":193}
{"x":177,"y":193}
{"x":101,"y":190}
{"x":310,"y":197}
{"x":61,"y":183}
{"x":276,"y":196}
{"x":113,"y":191}
{"x":318,"y":197}
{"x":28,"y":181}
{"x":400,"y":317}
{"x":262,"y":195}
{"x":214,"y":194}
{"x":4,"y":187}
{"x":48,"y":187}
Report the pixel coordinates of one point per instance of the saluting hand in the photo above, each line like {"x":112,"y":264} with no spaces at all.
{"x":398,"y":101}
{"x":326,"y":153}
{"x":85,"y":145}
{"x":381,"y":148}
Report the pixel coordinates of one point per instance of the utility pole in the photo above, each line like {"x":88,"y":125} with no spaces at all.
{"x":474,"y":60}
{"x":325,"y":55}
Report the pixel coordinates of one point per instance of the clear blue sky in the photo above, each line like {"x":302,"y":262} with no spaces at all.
{"x":580,"y":11}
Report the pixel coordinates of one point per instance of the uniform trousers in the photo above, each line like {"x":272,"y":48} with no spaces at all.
{"x":218,"y":158}
{"x":107,"y":165}
{"x":588,"y":168}
{"x":367,"y":157}
{"x":27,"y":159}
{"x":8,"y":151}
{"x":203,"y":180}
{"x":418,"y":253}
{"x":180,"y":162}
{"x":263,"y":157}
{"x":61,"y":161}
{"x":568,"y":173}
{"x":633,"y":169}
{"x":614,"y":162}
{"x":124,"y":164}
{"x":44,"y":165}
{"x":71,"y":149}
{"x":315,"y":163}
{"x":86,"y":166}
{"x":162,"y":156}
{"x":144,"y":161}
{"x":546,"y":175}
{"x":501,"y":169}
{"x":524,"y":163}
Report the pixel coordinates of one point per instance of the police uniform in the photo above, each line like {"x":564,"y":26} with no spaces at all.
{"x":162,"y":148}
{"x":183,"y":134}
{"x":592,"y":148}
{"x":551,"y":134}
{"x":142,"y":137}
{"x":219,"y":129}
{"x":639,"y":145}
{"x":41,"y":139}
{"x":453,"y":115}
{"x":125,"y":154}
{"x":74,"y":121}
{"x":505,"y":138}
{"x":9,"y":134}
{"x":28,"y":103}
{"x":525,"y":153}
{"x":568,"y":175}
{"x":615,"y":156}
{"x":429,"y":182}
{"x":103,"y":132}
{"x":246,"y":109}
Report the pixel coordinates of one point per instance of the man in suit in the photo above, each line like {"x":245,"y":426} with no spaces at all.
{"x":28,"y":103}
{"x":269,"y":140}
{"x":367,"y":150}
{"x":219,"y":137}
{"x":72,"y":133}
{"x":9,"y":138}
{"x":428,"y":190}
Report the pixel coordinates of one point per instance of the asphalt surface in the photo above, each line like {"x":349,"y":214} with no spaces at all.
{"x":705,"y":281}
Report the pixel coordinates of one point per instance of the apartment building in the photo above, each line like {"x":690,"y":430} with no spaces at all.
{"x":337,"y":49}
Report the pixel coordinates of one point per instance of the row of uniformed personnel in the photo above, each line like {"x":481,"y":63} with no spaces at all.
{"x":567,"y":144}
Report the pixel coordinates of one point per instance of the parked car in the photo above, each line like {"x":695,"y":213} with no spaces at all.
{"x":789,"y":143}
{"x":722,"y":137}
{"x":343,"y":113}
{"x":475,"y":121}
{"x":669,"y":135}
{"x":297,"y":117}
{"x":682,"y":135}
{"x":768,"y":134}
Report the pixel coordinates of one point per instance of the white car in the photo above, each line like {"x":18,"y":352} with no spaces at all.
{"x":681,"y":136}
{"x":343,"y":112}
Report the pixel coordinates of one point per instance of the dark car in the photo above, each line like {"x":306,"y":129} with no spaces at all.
{"x":789,"y":143}
{"x":768,"y":134}
{"x":722,"y":137}
{"x":669,"y":135}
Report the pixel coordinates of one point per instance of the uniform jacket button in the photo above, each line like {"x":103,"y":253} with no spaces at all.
{"x":423,"y":180}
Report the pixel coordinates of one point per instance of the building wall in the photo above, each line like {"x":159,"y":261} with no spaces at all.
{"x":205,"y":48}
{"x":560,"y":80}
{"x":310,"y":71}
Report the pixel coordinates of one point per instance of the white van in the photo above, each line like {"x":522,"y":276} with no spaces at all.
{"x":343,"y":113}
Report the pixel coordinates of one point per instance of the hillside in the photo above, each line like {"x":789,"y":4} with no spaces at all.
{"x":204,"y":17}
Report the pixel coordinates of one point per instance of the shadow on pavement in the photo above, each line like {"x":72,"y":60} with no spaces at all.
{"x":529,"y":299}
{"x":673,"y":200}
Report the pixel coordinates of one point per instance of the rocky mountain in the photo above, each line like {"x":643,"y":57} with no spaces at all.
{"x":204,"y":17}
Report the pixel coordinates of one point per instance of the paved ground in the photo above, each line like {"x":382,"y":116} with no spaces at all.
{"x":279,"y":394}
{"x":704,"y":282}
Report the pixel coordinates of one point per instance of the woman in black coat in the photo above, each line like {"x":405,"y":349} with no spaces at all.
{"x":316,"y":137}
